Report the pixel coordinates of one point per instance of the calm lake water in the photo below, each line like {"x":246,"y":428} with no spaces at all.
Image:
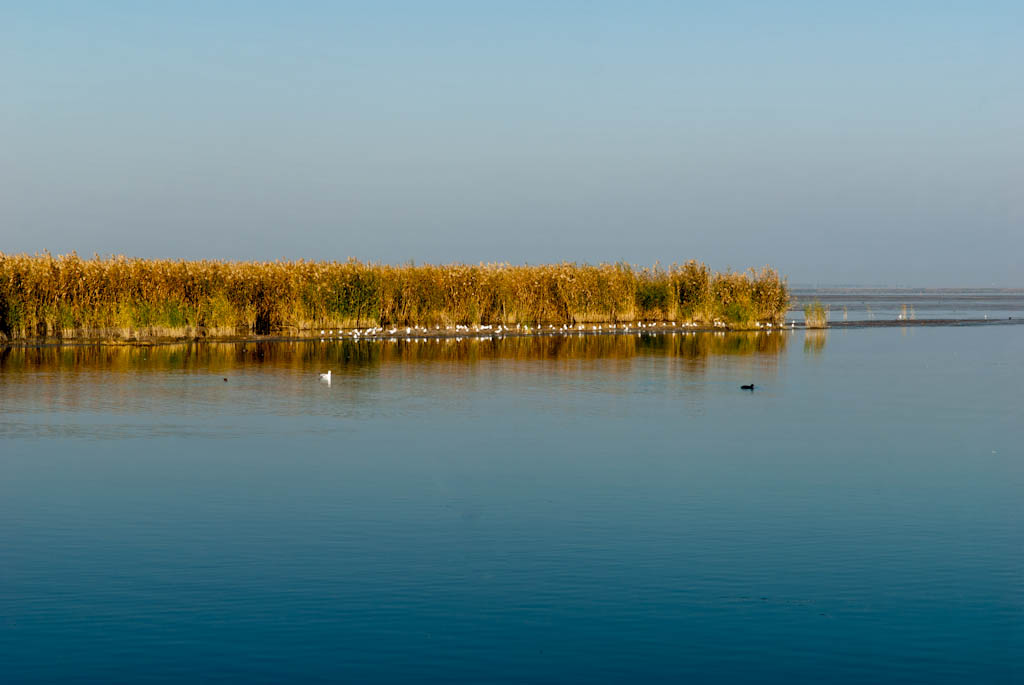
{"x":888,"y":304}
{"x":600,"y":508}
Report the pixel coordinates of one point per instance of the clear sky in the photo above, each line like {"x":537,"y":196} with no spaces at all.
{"x":858,"y":142}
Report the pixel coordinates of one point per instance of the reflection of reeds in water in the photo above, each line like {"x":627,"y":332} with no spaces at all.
{"x":814,"y":341}
{"x":220,"y":358}
{"x":118,"y":380}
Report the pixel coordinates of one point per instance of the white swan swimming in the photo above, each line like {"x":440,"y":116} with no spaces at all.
{"x":326,"y":376}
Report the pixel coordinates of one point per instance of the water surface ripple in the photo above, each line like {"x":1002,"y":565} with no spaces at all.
{"x":593,"y":508}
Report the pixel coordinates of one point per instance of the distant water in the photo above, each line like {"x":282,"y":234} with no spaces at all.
{"x":888,"y":304}
{"x":561,"y":510}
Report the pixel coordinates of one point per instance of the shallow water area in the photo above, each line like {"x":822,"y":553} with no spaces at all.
{"x":880,"y":305}
{"x":550,"y":509}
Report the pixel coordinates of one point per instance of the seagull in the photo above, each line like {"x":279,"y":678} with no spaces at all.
{"x":326,"y":376}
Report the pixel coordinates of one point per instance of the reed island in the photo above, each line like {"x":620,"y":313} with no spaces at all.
{"x":43,"y":297}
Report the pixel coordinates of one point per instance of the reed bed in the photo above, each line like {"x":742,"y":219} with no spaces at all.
{"x":126,"y":298}
{"x":816,"y":315}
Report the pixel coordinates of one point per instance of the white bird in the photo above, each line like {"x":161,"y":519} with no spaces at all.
{"x":326,"y":376}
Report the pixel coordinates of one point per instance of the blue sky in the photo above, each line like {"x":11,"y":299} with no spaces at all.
{"x":871,"y":142}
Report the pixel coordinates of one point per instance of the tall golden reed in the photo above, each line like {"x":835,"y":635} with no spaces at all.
{"x":120,"y":297}
{"x":816,"y":315}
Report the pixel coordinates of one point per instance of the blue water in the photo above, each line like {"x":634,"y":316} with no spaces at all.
{"x":584,"y":510}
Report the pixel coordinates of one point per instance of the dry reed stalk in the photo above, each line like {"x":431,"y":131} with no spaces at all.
{"x":123,"y":298}
{"x":816,"y":315}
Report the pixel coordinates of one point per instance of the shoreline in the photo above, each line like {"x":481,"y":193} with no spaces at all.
{"x":422,"y":334}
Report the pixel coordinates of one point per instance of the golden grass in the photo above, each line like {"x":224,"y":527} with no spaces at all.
{"x":127,"y":298}
{"x":815,"y":315}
